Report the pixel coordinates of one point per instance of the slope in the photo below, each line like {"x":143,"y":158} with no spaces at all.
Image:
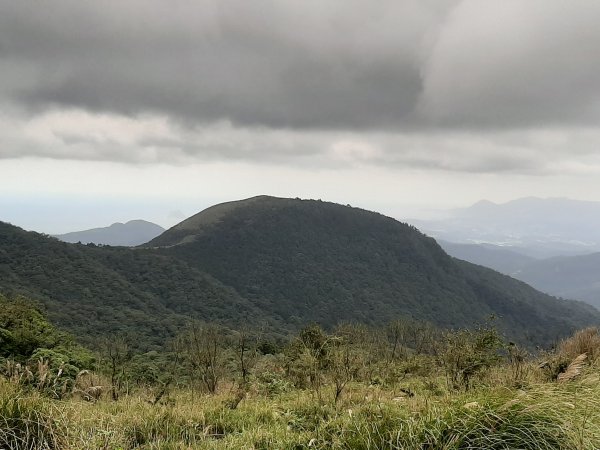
{"x":306,"y":260}
{"x":132,"y":233}
{"x":570,"y":277}
{"x":95,"y":291}
{"x":504,"y":260}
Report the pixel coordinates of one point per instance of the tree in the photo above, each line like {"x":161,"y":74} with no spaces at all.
{"x":246,"y":350}
{"x":202,"y":345}
{"x":307,"y":357}
{"x":348,"y":352}
{"x":117,"y":354}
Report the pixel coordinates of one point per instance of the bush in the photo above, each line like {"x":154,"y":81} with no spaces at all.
{"x":272,"y":383}
{"x":464,"y":354}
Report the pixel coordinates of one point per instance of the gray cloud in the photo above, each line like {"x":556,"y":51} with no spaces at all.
{"x":515,"y":64}
{"x":327,"y":64}
{"x":471,"y":85}
{"x":309,"y":64}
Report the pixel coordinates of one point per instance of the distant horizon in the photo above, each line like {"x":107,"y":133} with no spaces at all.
{"x":63,"y":222}
{"x":114,"y":110}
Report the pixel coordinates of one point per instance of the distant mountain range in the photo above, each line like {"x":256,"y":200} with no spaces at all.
{"x":552,"y":244}
{"x":575,"y":277}
{"x":535,"y":227}
{"x":503,"y":259}
{"x":130,"y":234}
{"x":279,"y":264}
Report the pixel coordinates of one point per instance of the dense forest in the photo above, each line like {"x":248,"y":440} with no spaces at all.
{"x":279,"y":264}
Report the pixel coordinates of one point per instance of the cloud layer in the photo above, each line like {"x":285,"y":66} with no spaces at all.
{"x":472,"y":85}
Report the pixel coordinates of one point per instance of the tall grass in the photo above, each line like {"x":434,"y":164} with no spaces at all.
{"x":28,"y":421}
{"x":538,"y":416}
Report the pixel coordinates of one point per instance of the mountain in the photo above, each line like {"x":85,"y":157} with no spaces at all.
{"x":306,"y":260}
{"x":275,"y":263}
{"x":96,"y":291}
{"x":130,"y":234}
{"x":575,"y":277}
{"x":504,"y":260}
{"x":540,"y":228}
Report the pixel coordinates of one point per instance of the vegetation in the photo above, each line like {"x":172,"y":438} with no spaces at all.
{"x":278,"y":264}
{"x":310,"y":261}
{"x":204,"y":340}
{"x":353,"y":388}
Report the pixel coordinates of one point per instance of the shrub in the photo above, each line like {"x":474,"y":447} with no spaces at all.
{"x":464,"y":354}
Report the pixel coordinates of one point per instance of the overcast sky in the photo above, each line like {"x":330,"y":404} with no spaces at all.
{"x":115,"y":110}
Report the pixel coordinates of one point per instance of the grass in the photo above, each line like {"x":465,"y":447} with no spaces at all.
{"x":505,"y":409}
{"x":539,"y":416}
{"x":28,"y":421}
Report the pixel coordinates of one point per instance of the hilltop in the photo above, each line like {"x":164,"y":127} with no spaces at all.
{"x":308,"y":260}
{"x":129,"y":234}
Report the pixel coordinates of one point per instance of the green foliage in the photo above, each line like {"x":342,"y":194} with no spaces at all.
{"x":23,"y":329}
{"x":276,"y":263}
{"x":26,"y":335}
{"x":272,"y":383}
{"x":487,"y":427}
{"x":493,"y":415}
{"x":36,"y":354}
{"x":465,"y":353}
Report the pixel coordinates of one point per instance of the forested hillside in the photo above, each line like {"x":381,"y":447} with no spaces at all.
{"x":273,"y":263}
{"x":319,"y":261}
{"x":95,"y":291}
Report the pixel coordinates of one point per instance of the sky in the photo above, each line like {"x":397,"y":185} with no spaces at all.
{"x":118,"y":110}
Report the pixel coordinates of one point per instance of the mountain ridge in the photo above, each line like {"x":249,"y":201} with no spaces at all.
{"x":279,"y":264}
{"x":540,"y":227}
{"x":248,"y":251}
{"x":128,"y":234}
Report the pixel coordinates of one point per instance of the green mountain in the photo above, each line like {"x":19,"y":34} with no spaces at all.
{"x":276,"y":263}
{"x":306,"y":260}
{"x":130,"y":234}
{"x":94,"y":291}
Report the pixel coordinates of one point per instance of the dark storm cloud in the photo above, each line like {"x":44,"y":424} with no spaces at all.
{"x":309,"y":64}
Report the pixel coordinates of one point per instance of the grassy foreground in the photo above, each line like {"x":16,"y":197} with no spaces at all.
{"x":537,"y":416}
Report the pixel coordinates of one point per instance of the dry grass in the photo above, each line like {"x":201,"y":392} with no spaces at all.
{"x":505,"y":409}
{"x":584,"y":341}
{"x":539,"y":416}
